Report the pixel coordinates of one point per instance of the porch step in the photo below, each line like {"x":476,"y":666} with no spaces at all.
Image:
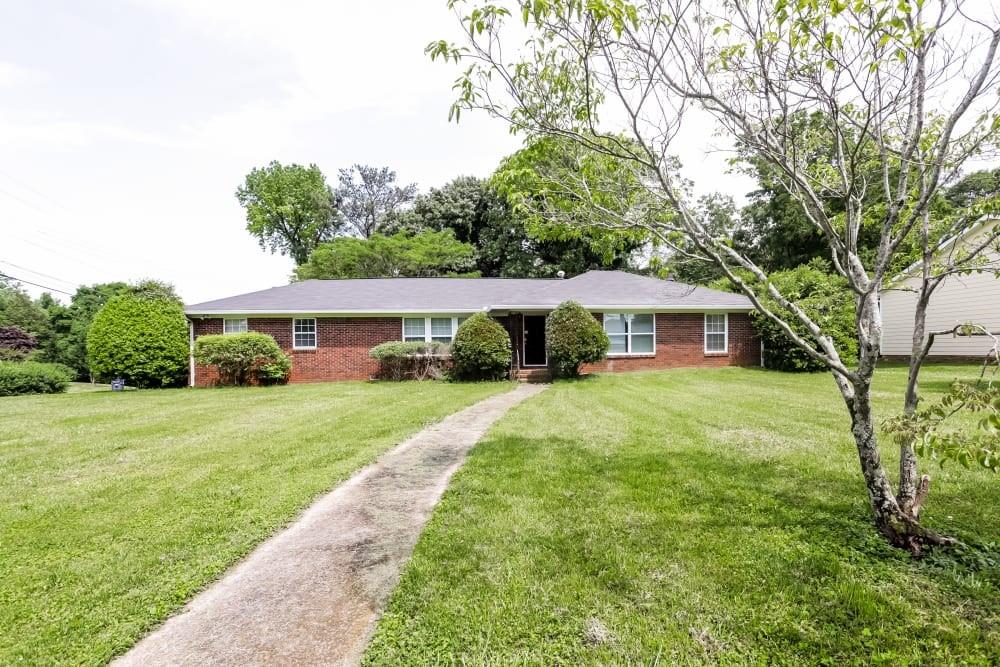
{"x":534,"y":375}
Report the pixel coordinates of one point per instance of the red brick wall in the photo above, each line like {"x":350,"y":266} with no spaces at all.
{"x":680,"y":341}
{"x":342,"y":345}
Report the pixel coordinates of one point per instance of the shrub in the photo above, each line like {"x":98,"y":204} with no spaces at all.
{"x":481,"y":349}
{"x":140,"y":337}
{"x":242,"y":359}
{"x":572,"y":338}
{"x":826,"y":298}
{"x":415,"y":360}
{"x":15,"y":343}
{"x":32,"y":377}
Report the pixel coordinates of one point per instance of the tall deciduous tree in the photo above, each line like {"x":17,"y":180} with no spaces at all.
{"x":907,"y":91}
{"x":368,"y":195}
{"x":290,"y":208}
{"x":506,"y":243}
{"x":423,"y":255}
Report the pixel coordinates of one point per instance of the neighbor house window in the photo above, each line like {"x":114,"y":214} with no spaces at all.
{"x":439,"y":329}
{"x":630,"y":333}
{"x":716,"y":332}
{"x":234,"y":326}
{"x":304,"y":333}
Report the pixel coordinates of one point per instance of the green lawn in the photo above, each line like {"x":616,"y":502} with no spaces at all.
{"x":118,"y":507}
{"x":689,"y":517}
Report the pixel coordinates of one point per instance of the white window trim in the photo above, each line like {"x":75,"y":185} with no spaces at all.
{"x":246,"y":325}
{"x":315,"y":322}
{"x":628,"y":336}
{"x":428,"y":335}
{"x":725,"y":334}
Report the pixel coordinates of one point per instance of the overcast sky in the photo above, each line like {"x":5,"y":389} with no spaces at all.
{"x":125,"y":128}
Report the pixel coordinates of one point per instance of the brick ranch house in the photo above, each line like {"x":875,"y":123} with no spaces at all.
{"x":328,"y":326}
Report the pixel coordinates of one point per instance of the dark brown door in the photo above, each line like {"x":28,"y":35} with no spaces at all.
{"x":534,"y":340}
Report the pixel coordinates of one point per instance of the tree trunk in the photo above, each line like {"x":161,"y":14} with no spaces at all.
{"x":896,"y":525}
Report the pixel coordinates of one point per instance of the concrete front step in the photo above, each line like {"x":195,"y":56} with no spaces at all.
{"x":533,"y":375}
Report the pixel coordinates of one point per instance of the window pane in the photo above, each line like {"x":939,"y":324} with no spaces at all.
{"x":715,"y":323}
{"x":715,"y":342}
{"x":642,"y":343}
{"x":441,"y":326}
{"x":615,"y":323}
{"x":413,"y":327}
{"x":231,"y":326}
{"x":441,"y":339}
{"x":305,"y":332}
{"x":460,"y":320}
{"x":642,"y":323}
{"x":619,"y":344}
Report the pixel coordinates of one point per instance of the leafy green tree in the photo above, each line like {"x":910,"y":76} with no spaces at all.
{"x":976,"y":187}
{"x":554,"y":186}
{"x":473,"y":209}
{"x":368,"y":195}
{"x":289,"y":208}
{"x":902,"y":91}
{"x":141,"y":336}
{"x":423,"y":255}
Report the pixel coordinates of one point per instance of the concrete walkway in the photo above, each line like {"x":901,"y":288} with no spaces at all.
{"x":311,"y":594}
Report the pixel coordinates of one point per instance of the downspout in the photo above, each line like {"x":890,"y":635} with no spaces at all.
{"x":190,"y":352}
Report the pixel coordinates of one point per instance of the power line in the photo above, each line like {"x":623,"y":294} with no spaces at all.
{"x":22,"y":280}
{"x":38,"y":273}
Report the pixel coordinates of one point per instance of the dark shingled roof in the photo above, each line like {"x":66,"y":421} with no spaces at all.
{"x":594,"y":289}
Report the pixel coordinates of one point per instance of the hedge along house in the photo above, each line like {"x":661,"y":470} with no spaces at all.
{"x":328,"y":326}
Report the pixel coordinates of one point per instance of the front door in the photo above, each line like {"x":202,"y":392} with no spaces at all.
{"x":534,"y":340}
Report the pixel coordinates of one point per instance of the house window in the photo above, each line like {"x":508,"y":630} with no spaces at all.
{"x":414,"y":329}
{"x":234,"y":326}
{"x":304,"y":333}
{"x":630,"y":333}
{"x":716,"y":332}
{"x":438,"y":329}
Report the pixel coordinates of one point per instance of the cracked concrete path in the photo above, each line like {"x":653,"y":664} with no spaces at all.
{"x":311,"y":594}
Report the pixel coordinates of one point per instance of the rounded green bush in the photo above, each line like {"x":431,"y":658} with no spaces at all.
{"x":245,"y":358}
{"x":481,"y":349}
{"x":573,"y":338}
{"x":32,"y":377}
{"x":142,"y":338}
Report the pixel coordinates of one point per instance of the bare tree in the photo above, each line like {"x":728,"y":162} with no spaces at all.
{"x":365,"y":201}
{"x":904,"y":90}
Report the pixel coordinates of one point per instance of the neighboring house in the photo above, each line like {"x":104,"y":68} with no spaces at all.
{"x":960,"y":298}
{"x":328,"y":326}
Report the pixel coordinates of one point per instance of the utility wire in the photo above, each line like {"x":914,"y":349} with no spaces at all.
{"x":38,"y":273}
{"x":22,"y":280}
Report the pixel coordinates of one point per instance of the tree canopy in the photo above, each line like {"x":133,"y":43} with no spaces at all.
{"x":423,"y":255}
{"x":290,"y":209}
